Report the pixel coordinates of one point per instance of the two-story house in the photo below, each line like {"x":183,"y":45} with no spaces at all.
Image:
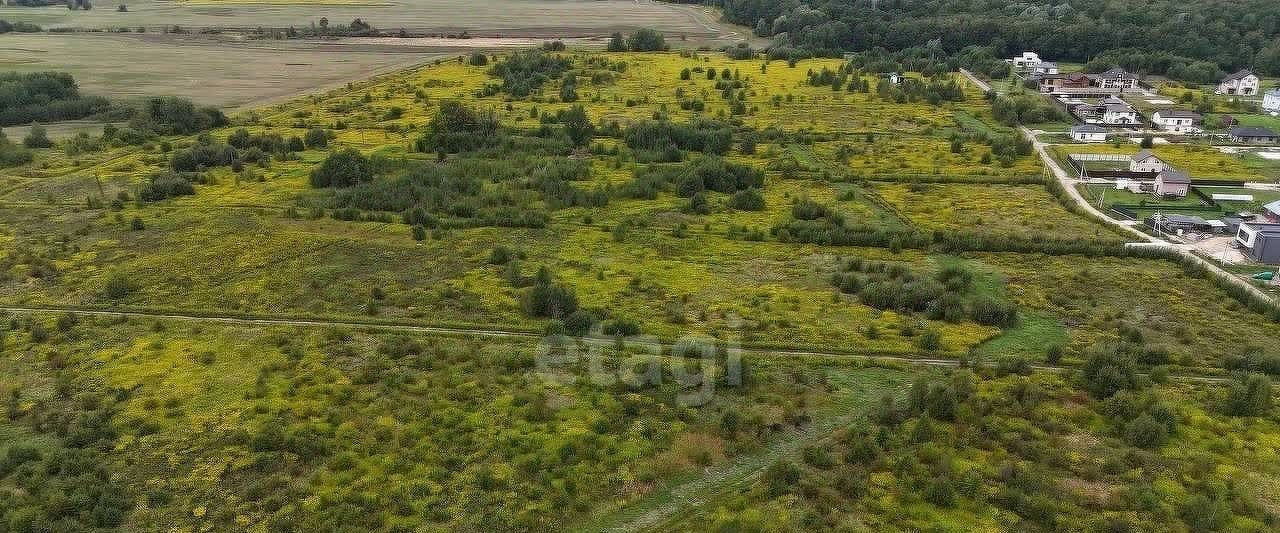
{"x":1243,"y":83}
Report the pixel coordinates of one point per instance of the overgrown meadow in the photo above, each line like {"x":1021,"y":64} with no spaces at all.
{"x":808,"y":211}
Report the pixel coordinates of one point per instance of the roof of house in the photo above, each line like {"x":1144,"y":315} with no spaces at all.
{"x":1088,"y":128}
{"x":1048,"y":64}
{"x":1117,"y":73}
{"x":1177,"y":113}
{"x":1245,"y":131}
{"x":1175,"y":176}
{"x":1274,"y":92}
{"x":1175,"y":218}
{"x":1143,"y":155}
{"x":1273,"y":207}
{"x":1119,"y":108}
{"x":1262,"y":227}
{"x":1238,"y":76}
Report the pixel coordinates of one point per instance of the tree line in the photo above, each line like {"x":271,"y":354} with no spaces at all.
{"x":1228,"y":35}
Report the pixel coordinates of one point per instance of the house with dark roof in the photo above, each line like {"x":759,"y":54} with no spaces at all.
{"x":1176,"y":223}
{"x":1252,"y":135}
{"x":1116,"y":78}
{"x":1177,"y":120}
{"x":1172,"y":183}
{"x":1243,"y":83}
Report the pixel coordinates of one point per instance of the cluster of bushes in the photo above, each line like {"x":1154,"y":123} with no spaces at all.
{"x":665,"y":141}
{"x":258,"y":148}
{"x":18,"y":27}
{"x":203,"y":155}
{"x":457,"y":128}
{"x":62,"y":479}
{"x":44,"y":97}
{"x":343,"y":168}
{"x":707,"y":173}
{"x":454,"y":193}
{"x":1018,"y":109}
{"x":13,"y":154}
{"x":166,"y":185}
{"x":642,"y":40}
{"x":524,"y":72}
{"x":951,"y":294}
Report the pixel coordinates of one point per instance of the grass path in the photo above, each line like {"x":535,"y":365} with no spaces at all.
{"x":664,"y":508}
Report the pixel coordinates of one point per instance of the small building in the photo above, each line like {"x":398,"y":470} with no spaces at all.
{"x":1172,"y":183}
{"x":1088,"y":133}
{"x":1176,"y":223}
{"x":1260,"y":241}
{"x":894,"y":78}
{"x":1116,"y":78}
{"x":1146,"y":161}
{"x":1177,"y":120}
{"x":1271,"y":101}
{"x":1250,"y":135}
{"x":1243,"y":83}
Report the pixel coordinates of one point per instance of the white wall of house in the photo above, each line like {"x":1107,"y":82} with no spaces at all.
{"x":1271,"y":102}
{"x":1150,"y":164}
{"x":1246,"y":86}
{"x":1120,"y":117}
{"x":1176,"y":125}
{"x":1089,"y":136}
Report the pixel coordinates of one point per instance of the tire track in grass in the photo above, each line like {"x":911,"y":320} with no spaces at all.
{"x":668,"y":506}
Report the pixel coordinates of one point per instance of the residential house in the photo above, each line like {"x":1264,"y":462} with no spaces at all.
{"x":1243,"y":83}
{"x":1064,"y":83}
{"x":1172,"y":183}
{"x":1176,"y":120}
{"x":1248,"y":135}
{"x":1088,"y":133}
{"x":1146,"y":161}
{"x":894,"y":78}
{"x":1116,"y":78}
{"x":1026,"y":61}
{"x":1045,"y":67}
{"x":1117,"y":112}
{"x":1260,"y":241}
{"x":1271,"y":101}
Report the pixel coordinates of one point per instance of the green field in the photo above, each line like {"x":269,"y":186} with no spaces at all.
{"x":594,"y":291}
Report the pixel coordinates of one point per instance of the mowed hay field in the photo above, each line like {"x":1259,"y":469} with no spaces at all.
{"x":209,"y":71}
{"x":546,"y":18}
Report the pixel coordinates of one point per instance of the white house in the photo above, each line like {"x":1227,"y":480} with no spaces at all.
{"x":1088,"y":133}
{"x":1176,"y":120}
{"x":1026,"y":61}
{"x":1119,"y":114}
{"x":1045,"y":67}
{"x":1243,"y":83}
{"x":1116,"y":78}
{"x":1145,"y":161}
{"x":1271,"y":101}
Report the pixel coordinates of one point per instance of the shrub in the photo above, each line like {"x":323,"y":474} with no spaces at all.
{"x":38,"y":137}
{"x":342,"y":169}
{"x":118,"y":286}
{"x":748,"y":200}
{"x":1108,"y":370}
{"x":1248,"y":395}
{"x":316,"y":138}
